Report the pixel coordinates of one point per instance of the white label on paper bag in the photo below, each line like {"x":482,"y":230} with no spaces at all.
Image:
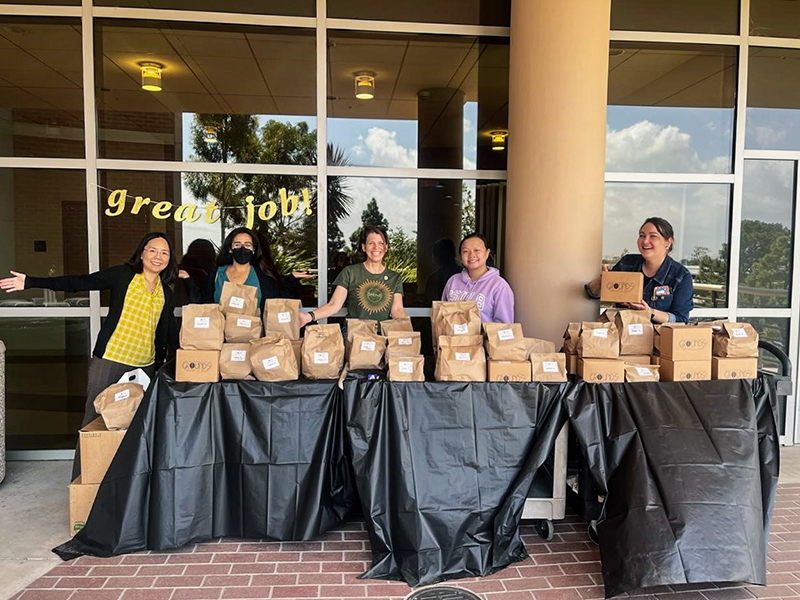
{"x":202,"y":322}
{"x":284,"y":317}
{"x":550,"y":366}
{"x":270,"y":363}
{"x":644,"y":371}
{"x":321,"y":358}
{"x":368,"y":346}
{"x":462,"y":356}
{"x":739,"y":332}
{"x":236,"y":302}
{"x":244,"y":322}
{"x":602,"y":332}
{"x":405,"y":366}
{"x":635,"y":329}
{"x":404,"y":341}
{"x":505,"y":334}
{"x":460,"y":328}
{"x":122,"y":395}
{"x":238,"y":355}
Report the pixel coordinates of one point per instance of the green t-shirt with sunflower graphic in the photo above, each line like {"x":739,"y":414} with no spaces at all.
{"x":369,"y":296}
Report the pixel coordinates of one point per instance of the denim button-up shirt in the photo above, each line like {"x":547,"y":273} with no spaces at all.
{"x":671,"y":288}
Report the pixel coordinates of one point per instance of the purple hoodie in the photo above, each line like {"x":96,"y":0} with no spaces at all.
{"x":492,"y":293}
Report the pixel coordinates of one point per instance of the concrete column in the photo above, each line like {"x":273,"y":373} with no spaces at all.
{"x":556,"y":152}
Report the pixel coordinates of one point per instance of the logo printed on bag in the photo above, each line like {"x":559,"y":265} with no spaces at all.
{"x":405,"y":366}
{"x":505,"y":334}
{"x":368,"y":346}
{"x":238,"y":355}
{"x":460,"y":328}
{"x":244,"y":323}
{"x":194,"y":365}
{"x":644,"y":371}
{"x":236,"y":302}
{"x":635,"y":329}
{"x":601,"y":332}
{"x":321,"y":358}
{"x":202,"y":322}
{"x":122,"y":395}
{"x":271,"y":363}
{"x":284,"y":317}
{"x":463,"y":356}
{"x":404,"y":341}
{"x":739,"y":332}
{"x":550,"y":366}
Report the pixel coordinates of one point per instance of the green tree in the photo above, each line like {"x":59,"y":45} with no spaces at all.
{"x":764,"y":263}
{"x":467,"y":211}
{"x":402,"y":254}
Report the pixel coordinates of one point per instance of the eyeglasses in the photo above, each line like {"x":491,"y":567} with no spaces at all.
{"x":152,"y":252}
{"x":247,"y":245}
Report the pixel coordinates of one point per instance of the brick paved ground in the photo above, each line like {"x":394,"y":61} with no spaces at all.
{"x":566,"y":568}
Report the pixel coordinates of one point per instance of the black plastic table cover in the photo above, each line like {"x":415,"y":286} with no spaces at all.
{"x":236,"y":458}
{"x":443,"y":470}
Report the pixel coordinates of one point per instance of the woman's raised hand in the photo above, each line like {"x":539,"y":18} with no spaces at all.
{"x":16,"y":283}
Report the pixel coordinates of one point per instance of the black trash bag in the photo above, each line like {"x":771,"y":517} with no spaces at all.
{"x":202,"y":461}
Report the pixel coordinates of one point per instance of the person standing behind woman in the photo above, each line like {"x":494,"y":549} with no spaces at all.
{"x":140,"y":328}
{"x":668,"y":287}
{"x":480,"y":282}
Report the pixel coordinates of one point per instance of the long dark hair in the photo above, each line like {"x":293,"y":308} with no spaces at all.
{"x":262,"y":257}
{"x":664,"y":229}
{"x":170,"y":272}
{"x":481,"y":237}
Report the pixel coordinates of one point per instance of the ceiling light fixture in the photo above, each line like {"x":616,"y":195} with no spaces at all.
{"x":499,"y":139}
{"x":365,"y":85}
{"x":210,"y":135}
{"x":151,"y":76}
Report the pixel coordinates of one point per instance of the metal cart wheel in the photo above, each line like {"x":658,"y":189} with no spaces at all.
{"x":545,"y":529}
{"x":592,"y":530}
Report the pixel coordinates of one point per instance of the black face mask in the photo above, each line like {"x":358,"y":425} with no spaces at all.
{"x":242,"y":255}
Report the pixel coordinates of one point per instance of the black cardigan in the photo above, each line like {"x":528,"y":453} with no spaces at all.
{"x":116,"y":279}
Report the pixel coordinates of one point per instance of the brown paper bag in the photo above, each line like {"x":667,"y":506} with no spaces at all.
{"x":366,"y":350}
{"x":656,"y":339}
{"x":118,"y":403}
{"x":635,"y":332}
{"x":323,"y":351}
{"x":406,"y":368}
{"x":634,"y":373}
{"x":399,"y":324}
{"x":202,"y":327}
{"x":234,"y":361}
{"x":242,"y":328}
{"x":571,"y":337}
{"x":504,"y":341}
{"x":598,"y":340}
{"x":609,"y":315}
{"x":297,"y":346}
{"x":238,"y":299}
{"x":735,"y":340}
{"x":459,"y":318}
{"x":403,"y":343}
{"x":536,"y":346}
{"x":436,"y":307}
{"x":551,"y":367}
{"x":282,"y":315}
{"x":460,"y":358}
{"x":354,"y":326}
{"x":272,"y":359}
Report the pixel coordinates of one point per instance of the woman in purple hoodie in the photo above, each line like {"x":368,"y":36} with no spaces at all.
{"x":480,"y":282}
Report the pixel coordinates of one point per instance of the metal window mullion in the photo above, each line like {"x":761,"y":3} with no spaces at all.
{"x":675,"y":37}
{"x":14,"y":10}
{"x":792,"y":412}
{"x":322,"y":152}
{"x":43,"y":312}
{"x":29,"y":162}
{"x":705,"y":313}
{"x":404,"y":173}
{"x":764,"y":313}
{"x":114,"y":164}
{"x":195,"y":16}
{"x":773,"y":42}
{"x":628,"y":177}
{"x":417,"y":27}
{"x":772,"y":154}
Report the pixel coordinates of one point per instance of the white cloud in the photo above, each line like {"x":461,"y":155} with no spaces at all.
{"x":648,"y":147}
{"x":767,"y":137}
{"x":384,"y":150}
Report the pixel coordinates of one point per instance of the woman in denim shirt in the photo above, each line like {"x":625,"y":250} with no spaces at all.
{"x":668,"y":287}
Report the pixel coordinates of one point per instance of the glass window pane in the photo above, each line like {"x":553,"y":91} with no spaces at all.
{"x":43,"y":231}
{"x":774,"y":18}
{"x":773,"y":99}
{"x":463,"y":12}
{"x":765,"y":260}
{"x":45,"y":412}
{"x":687,"y":16}
{"x":699,"y":215}
{"x":41,"y":88}
{"x":227,"y":93}
{"x":670,"y":108}
{"x":437,"y":99}
{"x":190,"y":208}
{"x":772,"y":330}
{"x":418,"y":215}
{"x":295,"y":8}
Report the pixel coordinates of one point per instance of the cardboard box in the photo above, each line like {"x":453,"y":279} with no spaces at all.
{"x":81,"y":498}
{"x":685,"y":370}
{"x":601,"y":370}
{"x":681,"y":342}
{"x":734,"y":368}
{"x":98,"y":447}
{"x":197,"y":366}
{"x":655,"y":360}
{"x":638,"y":359}
{"x":572,"y":364}
{"x":509,"y":370}
{"x":621,"y":286}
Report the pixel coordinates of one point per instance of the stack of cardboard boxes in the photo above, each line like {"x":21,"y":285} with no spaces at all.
{"x":684,"y":352}
{"x":735,"y":350}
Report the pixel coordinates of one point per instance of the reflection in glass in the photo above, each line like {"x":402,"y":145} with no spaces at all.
{"x":437,"y":99}
{"x":44,"y":413}
{"x":774,"y":18}
{"x":463,"y":12}
{"x":766,"y":246}
{"x":773,"y":99}
{"x":206,"y":206}
{"x":699,"y":215}
{"x":670,"y":108}
{"x":425,"y":219}
{"x":41,"y":89}
{"x":686,"y":16}
{"x":295,"y":8}
{"x":43,"y":231}
{"x":229,"y":93}
{"x":771,"y":330}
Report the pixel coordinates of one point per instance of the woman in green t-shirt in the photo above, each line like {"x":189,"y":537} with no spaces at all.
{"x":370,"y":290}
